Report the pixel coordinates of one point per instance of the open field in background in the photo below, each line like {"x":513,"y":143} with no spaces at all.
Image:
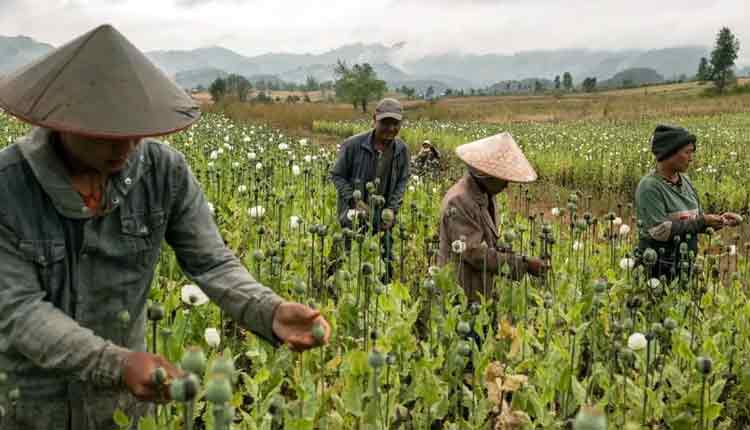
{"x":655,"y":102}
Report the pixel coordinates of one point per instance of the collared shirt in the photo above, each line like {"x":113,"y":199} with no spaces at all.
{"x":67,"y":273}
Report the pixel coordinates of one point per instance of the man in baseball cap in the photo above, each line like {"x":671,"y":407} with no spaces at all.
{"x":88,"y":198}
{"x":374,"y":164}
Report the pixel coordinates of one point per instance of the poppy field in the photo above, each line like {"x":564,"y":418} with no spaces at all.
{"x":595,"y":344}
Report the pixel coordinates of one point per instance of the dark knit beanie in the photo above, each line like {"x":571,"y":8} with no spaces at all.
{"x":668,"y":140}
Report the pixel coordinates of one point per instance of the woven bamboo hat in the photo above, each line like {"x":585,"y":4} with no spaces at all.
{"x":98,"y":85}
{"x":498,"y":156}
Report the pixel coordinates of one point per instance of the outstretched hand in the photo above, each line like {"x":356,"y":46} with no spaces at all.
{"x":293,"y":324}
{"x":137,"y":375}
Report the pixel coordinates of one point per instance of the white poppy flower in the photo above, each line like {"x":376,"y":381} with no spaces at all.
{"x":458,"y":246}
{"x":617,"y":222}
{"x":411,"y":188}
{"x":296,"y":170}
{"x":350,"y":214}
{"x":214,"y":155}
{"x":242,"y":189}
{"x":256,"y":211}
{"x":624,"y":230}
{"x":732,"y":249}
{"x":212,"y":337}
{"x":627,"y":263}
{"x":210,"y":165}
{"x":308,"y":158}
{"x":193,"y":296}
{"x":302,"y":142}
{"x":259,"y":166}
{"x":211,"y":208}
{"x":283,"y":146}
{"x":577,"y":246}
{"x":252,"y":156}
{"x":654,"y":283}
{"x":555,"y":212}
{"x":236,"y":165}
{"x":637,"y":341}
{"x":294,"y":221}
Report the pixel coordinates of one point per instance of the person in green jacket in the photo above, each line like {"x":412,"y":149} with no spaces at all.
{"x":668,"y":208}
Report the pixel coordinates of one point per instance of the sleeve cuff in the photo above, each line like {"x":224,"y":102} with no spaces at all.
{"x":261,"y":320}
{"x":108,"y":373}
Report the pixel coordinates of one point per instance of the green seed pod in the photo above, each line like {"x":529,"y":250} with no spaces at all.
{"x":573,"y":198}
{"x":322,"y":230}
{"x":590,"y":418}
{"x":657,"y":329}
{"x":464,"y":349}
{"x":299,"y":287}
{"x":218,"y":389}
{"x":165,"y":332}
{"x":428,"y":284}
{"x":463,"y":328}
{"x":388,"y":215}
{"x":650,"y":256}
{"x":225,"y":365}
{"x":258,"y":255}
{"x":318,"y":332}
{"x":177,"y":390}
{"x":194,"y":360}
{"x":378,"y":288}
{"x":159,"y":376}
{"x":14,"y":395}
{"x":367,"y":269}
{"x":3,"y":378}
{"x":390,"y":359}
{"x":192,"y":387}
{"x":600,"y":286}
{"x":704,"y":364}
{"x":155,"y":312}
{"x":313,"y":229}
{"x":124,"y":317}
{"x":376,"y":359}
{"x":670,"y":324}
{"x":510,"y":236}
{"x":373,"y":247}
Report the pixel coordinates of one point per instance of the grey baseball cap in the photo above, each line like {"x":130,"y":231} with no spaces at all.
{"x":388,"y":108}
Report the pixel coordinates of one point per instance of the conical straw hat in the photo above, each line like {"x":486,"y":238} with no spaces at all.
{"x":98,"y":85}
{"x":498,"y":156}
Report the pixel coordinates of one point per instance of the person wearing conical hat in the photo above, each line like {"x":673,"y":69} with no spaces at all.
{"x":468,"y":224}
{"x":88,"y":198}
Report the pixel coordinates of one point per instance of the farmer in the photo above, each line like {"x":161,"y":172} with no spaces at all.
{"x":377,"y":157}
{"x":668,"y":208}
{"x":427,"y":161}
{"x":467,"y":216}
{"x":88,"y":200}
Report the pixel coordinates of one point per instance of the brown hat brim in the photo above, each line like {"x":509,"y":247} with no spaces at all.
{"x":498,"y":156}
{"x":98,"y":85}
{"x":396,"y":116}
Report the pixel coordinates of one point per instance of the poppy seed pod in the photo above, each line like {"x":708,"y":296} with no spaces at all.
{"x":224,"y":365}
{"x":299,"y":287}
{"x":155,"y":312}
{"x":357,"y":195}
{"x":218,"y":389}
{"x":159,"y":376}
{"x":464,"y":349}
{"x":124,"y":317}
{"x":650,"y":256}
{"x":318,"y":332}
{"x":388,"y":215}
{"x":704,"y":364}
{"x":194,"y":360}
{"x":367,"y":269}
{"x":463,"y":328}
{"x":376,"y":359}
{"x":258,"y":255}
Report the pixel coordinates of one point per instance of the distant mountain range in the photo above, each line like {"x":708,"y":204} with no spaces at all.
{"x":191,"y":68}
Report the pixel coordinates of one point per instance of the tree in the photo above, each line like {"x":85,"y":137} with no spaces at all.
{"x":358,"y":85}
{"x":557,"y":82}
{"x":430,"y":93}
{"x":218,"y":89}
{"x":238,"y":86}
{"x":568,"y":81}
{"x":589,"y":84}
{"x":311,"y":84}
{"x":538,"y":88}
{"x":723,"y":58}
{"x":704,"y":70}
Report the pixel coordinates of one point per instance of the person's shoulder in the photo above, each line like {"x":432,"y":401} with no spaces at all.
{"x":357,"y":139}
{"x":161,"y":154}
{"x":648,"y":181}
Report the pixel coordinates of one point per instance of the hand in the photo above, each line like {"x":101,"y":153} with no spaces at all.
{"x":293,"y":323}
{"x":137,"y":372}
{"x":731,"y":219}
{"x":536,"y":266}
{"x":714,"y":221}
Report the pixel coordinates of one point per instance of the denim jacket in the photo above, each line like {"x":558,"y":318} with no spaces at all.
{"x":355,"y":166}
{"x":66,"y":273}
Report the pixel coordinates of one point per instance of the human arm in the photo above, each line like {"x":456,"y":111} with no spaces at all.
{"x":203,"y":256}
{"x":397,"y":196}
{"x":340,"y":173}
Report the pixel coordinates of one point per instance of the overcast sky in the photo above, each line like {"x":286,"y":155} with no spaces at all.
{"x":428,"y":26}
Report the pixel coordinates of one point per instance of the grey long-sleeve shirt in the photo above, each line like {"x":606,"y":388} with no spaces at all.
{"x":60,"y":338}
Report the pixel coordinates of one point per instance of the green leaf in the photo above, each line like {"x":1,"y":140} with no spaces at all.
{"x":122,"y":420}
